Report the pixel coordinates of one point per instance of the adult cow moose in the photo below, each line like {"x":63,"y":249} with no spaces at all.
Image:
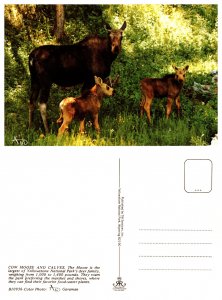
{"x":69,"y":65}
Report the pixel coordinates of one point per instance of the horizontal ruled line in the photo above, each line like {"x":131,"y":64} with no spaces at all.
{"x":163,"y":243}
{"x":175,"y":270}
{"x":177,"y":256}
{"x":166,"y":229}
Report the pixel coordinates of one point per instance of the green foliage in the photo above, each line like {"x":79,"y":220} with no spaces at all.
{"x":157,"y":36}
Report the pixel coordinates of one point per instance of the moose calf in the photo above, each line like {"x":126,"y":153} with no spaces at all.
{"x":89,"y":103}
{"x":169,"y":86}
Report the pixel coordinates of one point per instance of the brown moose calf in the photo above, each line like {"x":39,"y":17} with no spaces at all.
{"x":169,"y":86}
{"x":89,"y":103}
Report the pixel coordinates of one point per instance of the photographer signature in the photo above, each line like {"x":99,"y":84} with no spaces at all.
{"x":54,"y":289}
{"x":19,"y":141}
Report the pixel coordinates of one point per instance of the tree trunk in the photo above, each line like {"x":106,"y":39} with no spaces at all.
{"x":59,"y":22}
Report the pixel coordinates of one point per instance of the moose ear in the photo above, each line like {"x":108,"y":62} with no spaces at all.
{"x":175,"y":68}
{"x":123,"y":26}
{"x":98,"y":80}
{"x":186,"y":68}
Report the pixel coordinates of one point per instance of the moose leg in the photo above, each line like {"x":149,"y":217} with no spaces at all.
{"x":62,"y":129}
{"x":43,"y":111}
{"x":34,"y":95}
{"x":44,"y":95}
{"x":169,"y":106}
{"x":178,"y":105}
{"x":66,"y":116}
{"x":60,"y":119}
{"x":65,"y":125}
{"x":146,"y":107}
{"x":82,"y":125}
{"x":31,"y":113}
{"x":142,"y":106}
{"x":96,"y":122}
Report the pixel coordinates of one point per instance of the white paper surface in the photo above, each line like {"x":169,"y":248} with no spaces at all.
{"x":59,"y":209}
{"x":65,"y":214}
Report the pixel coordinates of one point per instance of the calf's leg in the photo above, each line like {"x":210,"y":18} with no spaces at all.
{"x":147,"y":107}
{"x":82,"y":125}
{"x":68,"y":113}
{"x":96,"y":122}
{"x":178,"y":105}
{"x":142,"y":106}
{"x":169,"y":106}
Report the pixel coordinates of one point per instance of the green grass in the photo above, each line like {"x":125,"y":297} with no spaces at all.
{"x":124,"y":130}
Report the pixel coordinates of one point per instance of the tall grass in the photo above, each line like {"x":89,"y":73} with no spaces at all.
{"x":124,"y":130}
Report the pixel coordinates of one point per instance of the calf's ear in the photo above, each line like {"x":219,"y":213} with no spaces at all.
{"x":174,"y":67}
{"x":123,"y":26}
{"x":186,"y":68}
{"x":98,"y":80}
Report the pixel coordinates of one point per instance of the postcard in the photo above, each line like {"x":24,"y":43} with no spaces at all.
{"x":110,"y":151}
